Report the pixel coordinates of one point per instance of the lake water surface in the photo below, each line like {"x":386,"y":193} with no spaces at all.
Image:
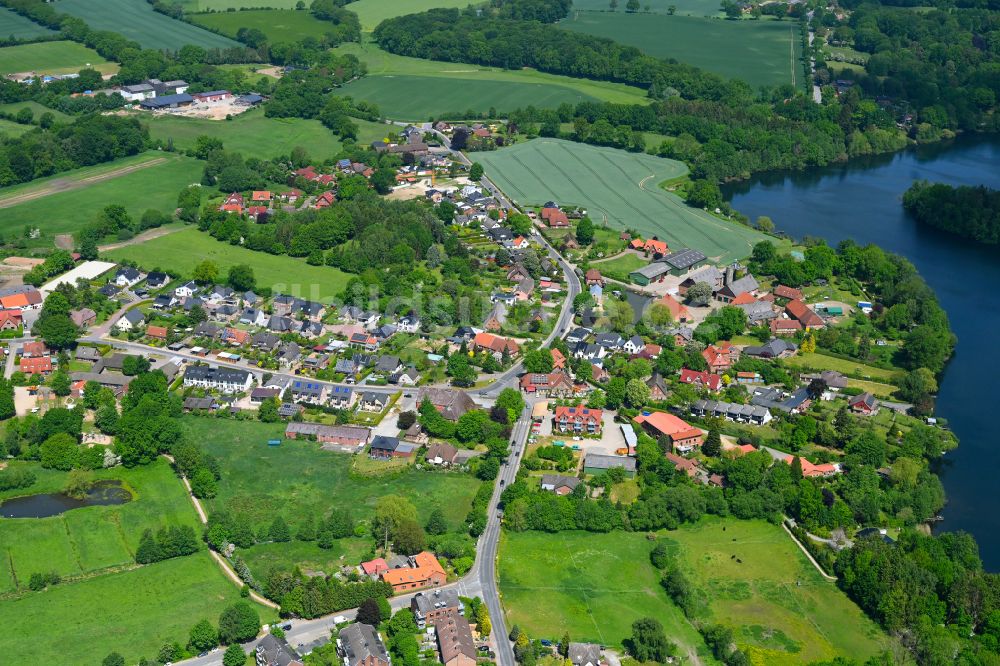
{"x":43,"y":505}
{"x":862,"y":200}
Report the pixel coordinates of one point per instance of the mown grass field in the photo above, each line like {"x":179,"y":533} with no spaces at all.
{"x":595,"y":585}
{"x":223,"y":5}
{"x":133,"y":613}
{"x":91,"y":538}
{"x":373,"y":12}
{"x":297,"y":479}
{"x":763,"y":52}
{"x":255,"y":135}
{"x":681,"y":7}
{"x":621,"y":266}
{"x":69,"y":201}
{"x":389,"y":74}
{"x":814,"y":361}
{"x":135,"y":19}
{"x":183,"y":250}
{"x":780,"y":607}
{"x":36,"y":108}
{"x":616,"y":187}
{"x":51,"y":58}
{"x":280,"y":25}
{"x":12,"y":129}
{"x":15,"y":25}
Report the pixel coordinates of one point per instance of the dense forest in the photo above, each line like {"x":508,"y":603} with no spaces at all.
{"x":970,"y":212}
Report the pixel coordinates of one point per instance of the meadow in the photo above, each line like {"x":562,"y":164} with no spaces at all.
{"x":223,"y":5}
{"x":595,"y":585}
{"x":69,"y":201}
{"x":617,"y":188}
{"x":280,"y":25}
{"x":619,"y":267}
{"x":298,"y":479}
{"x":52,"y":58}
{"x":255,"y":135}
{"x":754,"y":579}
{"x":816,"y":361}
{"x":12,"y":129}
{"x":36,"y":109}
{"x":19,"y":27}
{"x":373,"y":12}
{"x":133,"y":612}
{"x":762,"y":52}
{"x":681,"y":7}
{"x":89,"y":539}
{"x":136,"y":20}
{"x":183,"y":250}
{"x":389,"y":73}
{"x":306,"y":555}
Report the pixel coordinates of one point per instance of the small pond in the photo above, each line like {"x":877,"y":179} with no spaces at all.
{"x":104,"y":493}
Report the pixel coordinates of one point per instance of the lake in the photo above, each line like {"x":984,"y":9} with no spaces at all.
{"x":862,"y":200}
{"x":43,"y":505}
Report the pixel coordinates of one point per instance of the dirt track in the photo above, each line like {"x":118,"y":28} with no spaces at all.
{"x":67,"y":184}
{"x":140,"y":238}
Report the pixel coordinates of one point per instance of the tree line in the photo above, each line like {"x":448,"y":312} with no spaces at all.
{"x":969,"y":212}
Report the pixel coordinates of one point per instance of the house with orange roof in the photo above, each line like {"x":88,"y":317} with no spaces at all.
{"x":424,"y":571}
{"x":744,"y":298}
{"x":655,"y":246}
{"x":720,"y":357}
{"x":555,"y":217}
{"x":34,"y":349}
{"x":233,"y":204}
{"x":701,"y":379}
{"x":156,"y":332}
{"x":558,"y":360}
{"x":785,"y":326}
{"x":37,"y":365}
{"x":10,"y":320}
{"x":495,"y":344}
{"x":235,"y":336}
{"x":374,"y":568}
{"x":792,"y":294}
{"x":682,"y":435}
{"x":25,"y":300}
{"x":578,"y":419}
{"x":593,"y":276}
{"x":678,"y":311}
{"x":325,"y":200}
{"x":801,"y":312}
{"x":262,"y":195}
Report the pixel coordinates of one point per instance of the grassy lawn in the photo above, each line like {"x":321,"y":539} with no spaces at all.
{"x":592,"y":585}
{"x":51,"y":58}
{"x":298,"y":479}
{"x":763,"y":52}
{"x":617,"y":188}
{"x":280,"y":25}
{"x":255,"y":135}
{"x":681,"y":7}
{"x":308,"y":556}
{"x":12,"y":129}
{"x":373,"y":12}
{"x":69,"y":201}
{"x":133,"y":612}
{"x":15,"y":25}
{"x":91,"y":538}
{"x":814,"y":361}
{"x":383,"y":64}
{"x":596,"y":585}
{"x":621,"y":266}
{"x":184,"y":250}
{"x":136,"y":20}
{"x":36,"y":108}
{"x":782,"y":610}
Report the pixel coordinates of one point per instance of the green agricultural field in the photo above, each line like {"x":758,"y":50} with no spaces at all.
{"x":280,"y":25}
{"x":135,"y":19}
{"x":782,"y":609}
{"x":764,"y":52}
{"x":681,"y":7}
{"x":255,"y":135}
{"x":593,"y":586}
{"x":52,"y":58}
{"x":15,"y":25}
{"x":423,"y":97}
{"x":298,"y":479}
{"x":373,"y":12}
{"x":388,"y":74}
{"x":183,"y":250}
{"x":90,"y":539}
{"x":596,"y":585}
{"x":133,"y":612}
{"x":617,"y":188}
{"x":69,"y":201}
{"x":223,"y":5}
